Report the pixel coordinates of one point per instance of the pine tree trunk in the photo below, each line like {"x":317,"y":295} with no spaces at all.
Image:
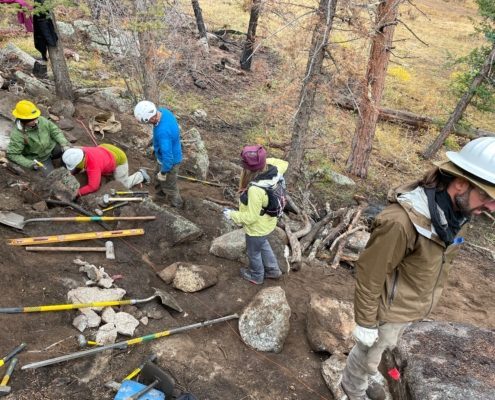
{"x":358,"y":161}
{"x":461,"y":106}
{"x":247,"y":53}
{"x":319,"y":41}
{"x":199,"y":20}
{"x":63,"y":84}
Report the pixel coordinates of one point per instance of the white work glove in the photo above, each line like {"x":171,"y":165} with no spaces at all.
{"x":35,"y":166}
{"x":161,"y":176}
{"x":227,"y":212}
{"x":365,"y":336}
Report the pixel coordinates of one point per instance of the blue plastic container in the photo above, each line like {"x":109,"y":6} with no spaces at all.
{"x":128,"y":388}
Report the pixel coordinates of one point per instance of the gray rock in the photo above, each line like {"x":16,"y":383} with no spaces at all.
{"x":108,"y":315}
{"x":63,"y":108}
{"x":66,"y":30}
{"x":80,"y":323}
{"x":93,"y":319}
{"x":357,"y":241}
{"x":11,"y":50}
{"x":144,"y":321}
{"x":200,"y":114}
{"x":40,"y":206}
{"x":66,"y":125}
{"x":93,"y":294}
{"x":331,"y":370}
{"x":329,"y":324}
{"x":341,"y":180}
{"x":226,"y":225}
{"x":232,"y":246}
{"x":168,"y":273}
{"x":107,"y":334}
{"x":5,"y":128}
{"x":170,"y":227}
{"x":153,"y":311}
{"x":133,"y":310}
{"x":447,"y":361}
{"x":106,"y":40}
{"x":59,"y":184}
{"x":195,"y":157}
{"x":193,"y":278}
{"x":34,"y":87}
{"x":125,"y":323}
{"x":264,"y":323}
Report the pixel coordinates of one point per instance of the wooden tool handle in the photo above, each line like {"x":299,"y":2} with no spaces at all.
{"x":56,"y":248}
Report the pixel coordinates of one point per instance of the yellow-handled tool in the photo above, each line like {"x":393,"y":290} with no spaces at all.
{"x":14,"y":352}
{"x":136,"y":371}
{"x":164,"y":298}
{"x":4,"y":389}
{"x":72,"y":237}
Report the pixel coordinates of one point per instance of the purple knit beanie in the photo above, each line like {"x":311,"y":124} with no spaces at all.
{"x":253,"y":157}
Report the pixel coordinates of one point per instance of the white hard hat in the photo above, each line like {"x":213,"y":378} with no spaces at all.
{"x":477,"y":158}
{"x":72,"y":157}
{"x":144,"y":110}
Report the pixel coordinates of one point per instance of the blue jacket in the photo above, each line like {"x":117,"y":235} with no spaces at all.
{"x":166,"y":141}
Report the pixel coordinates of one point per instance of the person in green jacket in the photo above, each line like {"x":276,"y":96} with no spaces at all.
{"x":259,"y":173}
{"x":402,"y":271}
{"x":35,"y":141}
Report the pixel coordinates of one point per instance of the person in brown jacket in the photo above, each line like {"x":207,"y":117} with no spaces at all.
{"x":402,"y":271}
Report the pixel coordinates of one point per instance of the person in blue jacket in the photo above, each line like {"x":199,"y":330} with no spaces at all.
{"x":166,"y":145}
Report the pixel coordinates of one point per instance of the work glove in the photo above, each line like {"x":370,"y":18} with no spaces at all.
{"x":227,"y":212}
{"x":365,"y":336}
{"x":35,"y":166}
{"x":161,"y":176}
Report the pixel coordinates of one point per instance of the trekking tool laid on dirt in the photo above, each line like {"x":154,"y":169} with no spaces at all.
{"x":73,"y":237}
{"x":155,"y":378}
{"x":188,"y":178}
{"x":14,"y":352}
{"x":108,"y":249}
{"x":114,"y":192}
{"x":107,"y":199}
{"x":17,"y":221}
{"x":125,"y":344}
{"x":100,"y":212}
{"x":165,"y":299}
{"x":4,"y":389}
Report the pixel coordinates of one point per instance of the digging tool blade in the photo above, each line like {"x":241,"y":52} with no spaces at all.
{"x":12,"y":219}
{"x":167,"y":300}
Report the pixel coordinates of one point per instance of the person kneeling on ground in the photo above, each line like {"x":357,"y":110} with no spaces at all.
{"x":167,"y":148}
{"x":35,"y":141}
{"x":258,"y":174}
{"x":405,"y":265}
{"x":104,"y":159}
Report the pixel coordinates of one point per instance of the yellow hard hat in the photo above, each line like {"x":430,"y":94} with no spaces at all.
{"x":26,"y":110}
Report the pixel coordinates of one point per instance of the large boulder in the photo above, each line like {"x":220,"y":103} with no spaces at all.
{"x":110,"y":99}
{"x":63,"y":108}
{"x":169,"y":228}
{"x":196,"y":161}
{"x":34,"y":87}
{"x":264,"y":324}
{"x":59,"y":184}
{"x":193,"y":278}
{"x":66,"y":30}
{"x":108,"y":40}
{"x":232,"y":246}
{"x":329,"y":324}
{"x":448,"y":361}
{"x":13,"y":55}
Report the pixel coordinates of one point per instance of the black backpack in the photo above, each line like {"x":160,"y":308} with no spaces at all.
{"x":277,"y":198}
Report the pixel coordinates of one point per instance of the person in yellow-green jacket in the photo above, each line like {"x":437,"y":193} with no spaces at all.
{"x":262,"y":199}
{"x":35,"y":141}
{"x":104,"y":159}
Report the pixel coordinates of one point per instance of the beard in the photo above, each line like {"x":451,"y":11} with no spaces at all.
{"x":462,"y":203}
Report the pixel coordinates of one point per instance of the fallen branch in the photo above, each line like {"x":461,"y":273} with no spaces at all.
{"x":295,"y":247}
{"x":337,"y":230}
{"x":313,"y":233}
{"x":305,"y":229}
{"x":221,"y":202}
{"x":345,"y":234}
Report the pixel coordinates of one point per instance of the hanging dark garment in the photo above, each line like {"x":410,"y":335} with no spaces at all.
{"x":44,"y":32}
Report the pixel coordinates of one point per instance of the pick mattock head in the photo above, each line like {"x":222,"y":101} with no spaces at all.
{"x":5,"y":390}
{"x":81,"y":340}
{"x":106,"y":199}
{"x":167,"y":300}
{"x":98,"y":212}
{"x":109,"y":250}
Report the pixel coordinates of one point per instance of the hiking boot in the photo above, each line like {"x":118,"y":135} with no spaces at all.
{"x":246,"y":274}
{"x":146,"y":177}
{"x":350,"y":397}
{"x":273,"y":274}
{"x":375,"y":391}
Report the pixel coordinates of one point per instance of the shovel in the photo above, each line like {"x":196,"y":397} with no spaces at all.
{"x":165,"y":298}
{"x":17,"y":221}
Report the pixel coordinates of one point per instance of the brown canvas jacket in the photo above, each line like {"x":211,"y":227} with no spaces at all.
{"x":403,"y":270}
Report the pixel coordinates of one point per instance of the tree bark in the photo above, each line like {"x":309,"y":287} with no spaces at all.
{"x":148,"y":72}
{"x":461,"y":106}
{"x":199,"y":20}
{"x":319,"y":41}
{"x":386,"y":20}
{"x":247,"y":53}
{"x":63,"y":84}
